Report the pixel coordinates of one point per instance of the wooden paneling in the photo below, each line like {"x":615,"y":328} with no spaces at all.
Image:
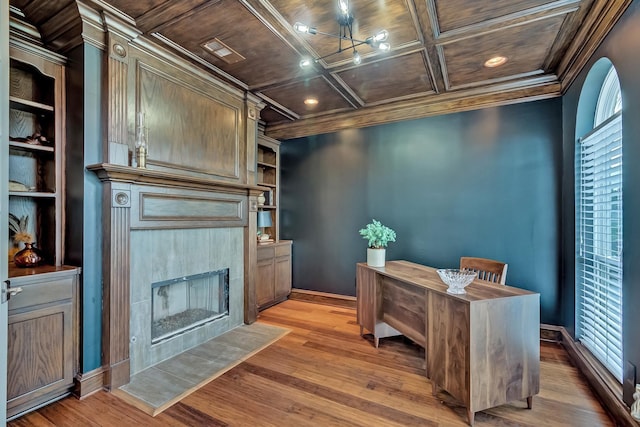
{"x":188,"y":129}
{"x":159,"y":207}
{"x":282,"y":285}
{"x":403,"y":308}
{"x":398,"y":77}
{"x":265,"y":277}
{"x":267,"y":56}
{"x":464,"y":59}
{"x":454,"y":14}
{"x":294,"y":94}
{"x":448,"y":350}
{"x":27,"y":339}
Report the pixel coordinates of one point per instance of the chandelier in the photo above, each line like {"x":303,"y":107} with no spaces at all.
{"x":345,"y":20}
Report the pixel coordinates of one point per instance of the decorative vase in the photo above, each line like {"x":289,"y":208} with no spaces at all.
{"x":261,"y":199}
{"x":30,"y":256}
{"x":375,"y":257}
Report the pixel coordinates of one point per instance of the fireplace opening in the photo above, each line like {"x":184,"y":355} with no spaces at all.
{"x":185,"y":303}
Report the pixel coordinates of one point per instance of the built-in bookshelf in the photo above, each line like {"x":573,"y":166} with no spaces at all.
{"x":269,"y":177}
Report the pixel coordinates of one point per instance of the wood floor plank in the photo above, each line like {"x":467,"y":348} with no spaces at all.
{"x":325,"y":374}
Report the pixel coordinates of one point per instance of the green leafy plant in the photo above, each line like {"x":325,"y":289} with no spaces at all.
{"x":378,"y":235}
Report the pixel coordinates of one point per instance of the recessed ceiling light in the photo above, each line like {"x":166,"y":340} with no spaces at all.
{"x":496,"y":61}
{"x":311,"y":102}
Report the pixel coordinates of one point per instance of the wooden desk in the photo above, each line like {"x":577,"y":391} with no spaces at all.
{"x":482,"y":347}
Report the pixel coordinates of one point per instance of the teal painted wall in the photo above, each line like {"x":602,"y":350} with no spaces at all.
{"x":84,"y":192}
{"x":482,"y":183}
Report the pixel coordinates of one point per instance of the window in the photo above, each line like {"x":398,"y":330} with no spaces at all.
{"x":599,"y":230}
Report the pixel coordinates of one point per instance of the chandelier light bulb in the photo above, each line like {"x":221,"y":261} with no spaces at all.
{"x":385,"y":47}
{"x":305,"y":63}
{"x":381,"y":36}
{"x":304,"y":28}
{"x":344,"y":7}
{"x":356,"y":58}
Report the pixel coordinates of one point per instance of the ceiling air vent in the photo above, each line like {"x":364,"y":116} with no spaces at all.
{"x":223,"y":51}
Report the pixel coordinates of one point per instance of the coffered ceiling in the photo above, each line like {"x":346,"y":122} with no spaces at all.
{"x":435,"y":65}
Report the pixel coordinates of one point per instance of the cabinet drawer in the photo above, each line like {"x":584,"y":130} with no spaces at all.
{"x":265,"y":252}
{"x":42,"y":293}
{"x":282,"y":250}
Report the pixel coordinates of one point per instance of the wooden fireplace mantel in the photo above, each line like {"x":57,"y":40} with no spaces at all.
{"x":136,"y":198}
{"x":127,"y":174}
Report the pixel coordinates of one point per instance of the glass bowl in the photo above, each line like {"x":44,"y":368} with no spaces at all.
{"x":456,"y":279}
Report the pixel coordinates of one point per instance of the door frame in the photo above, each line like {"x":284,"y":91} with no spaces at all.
{"x":4,"y":197}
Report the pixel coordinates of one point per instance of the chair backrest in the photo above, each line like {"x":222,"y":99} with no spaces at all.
{"x":487,"y":269}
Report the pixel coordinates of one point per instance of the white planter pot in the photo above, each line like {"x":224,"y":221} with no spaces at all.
{"x":375,"y":257}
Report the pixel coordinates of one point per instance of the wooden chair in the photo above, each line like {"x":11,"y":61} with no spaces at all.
{"x":487,"y":269}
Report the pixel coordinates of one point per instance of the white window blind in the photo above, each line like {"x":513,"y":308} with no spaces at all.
{"x":599,"y":234}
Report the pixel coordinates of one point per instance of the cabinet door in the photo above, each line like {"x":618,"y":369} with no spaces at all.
{"x":283,"y":277}
{"x":40,"y":355}
{"x":265,"y":280}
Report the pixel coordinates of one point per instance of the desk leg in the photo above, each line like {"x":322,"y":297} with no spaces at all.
{"x":470,"y":415}
{"x":376,"y":340}
{"x":529,"y":402}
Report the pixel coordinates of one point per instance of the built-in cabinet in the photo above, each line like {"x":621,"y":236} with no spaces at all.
{"x":273,"y":281}
{"x":42,"y":356}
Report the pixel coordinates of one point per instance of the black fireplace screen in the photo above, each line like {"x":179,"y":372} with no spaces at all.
{"x":182,"y":304}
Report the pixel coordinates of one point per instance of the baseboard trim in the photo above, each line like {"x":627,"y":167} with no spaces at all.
{"x":606,"y":388}
{"x":89,"y":382}
{"x":325,"y":298}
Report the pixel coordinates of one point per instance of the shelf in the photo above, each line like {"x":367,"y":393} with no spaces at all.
{"x":41,"y":269}
{"x":266,"y":165}
{"x":30,"y":147}
{"x":264,"y":184}
{"x":268,"y":207}
{"x":33,"y":194}
{"x":29,"y":106}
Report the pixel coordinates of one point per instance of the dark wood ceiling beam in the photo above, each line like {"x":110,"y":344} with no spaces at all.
{"x":427,"y":23}
{"x":441,"y":104}
{"x":598,"y":23}
{"x":549,"y":10}
{"x":566,"y":34}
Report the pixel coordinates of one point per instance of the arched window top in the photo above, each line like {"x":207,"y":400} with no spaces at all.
{"x":610,"y":98}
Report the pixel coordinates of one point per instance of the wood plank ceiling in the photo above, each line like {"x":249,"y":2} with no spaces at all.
{"x":435,"y":65}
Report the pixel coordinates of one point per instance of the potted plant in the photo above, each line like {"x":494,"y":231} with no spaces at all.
{"x":378,"y":236}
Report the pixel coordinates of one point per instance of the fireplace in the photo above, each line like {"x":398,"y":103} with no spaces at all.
{"x":181,"y":304}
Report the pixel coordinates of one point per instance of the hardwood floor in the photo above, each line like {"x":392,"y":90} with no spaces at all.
{"x":324,"y":374}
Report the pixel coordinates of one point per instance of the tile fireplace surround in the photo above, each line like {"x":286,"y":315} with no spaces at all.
{"x":159,"y":255}
{"x":161,"y":226}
